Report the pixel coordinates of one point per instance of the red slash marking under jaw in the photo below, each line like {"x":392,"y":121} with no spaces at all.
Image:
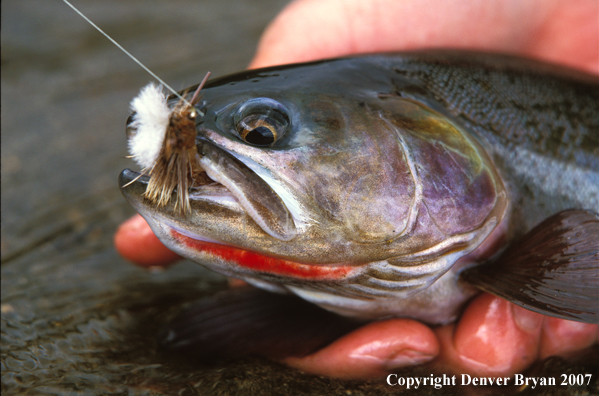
{"x":270,"y":265}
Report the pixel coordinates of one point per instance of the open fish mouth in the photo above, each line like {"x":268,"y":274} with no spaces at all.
{"x":229,"y":182}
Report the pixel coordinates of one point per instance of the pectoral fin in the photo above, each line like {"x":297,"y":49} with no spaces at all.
{"x":553,"y":269}
{"x":251,"y":322}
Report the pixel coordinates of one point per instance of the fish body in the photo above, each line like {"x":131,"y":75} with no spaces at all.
{"x":359,"y":183}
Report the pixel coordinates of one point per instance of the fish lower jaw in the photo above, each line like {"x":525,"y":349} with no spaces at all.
{"x":241,"y":263}
{"x":345,"y":289}
{"x":177,"y":231}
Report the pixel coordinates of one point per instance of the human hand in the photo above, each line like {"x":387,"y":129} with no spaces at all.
{"x":513,"y":338}
{"x":549,"y":30}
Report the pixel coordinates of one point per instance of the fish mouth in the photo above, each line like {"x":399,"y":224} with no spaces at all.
{"x":227,"y":182}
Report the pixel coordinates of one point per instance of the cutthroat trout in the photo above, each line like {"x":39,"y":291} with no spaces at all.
{"x":359,"y":183}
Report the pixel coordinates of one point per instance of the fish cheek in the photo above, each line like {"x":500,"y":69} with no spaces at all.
{"x":460,"y":187}
{"x":354,"y":171}
{"x":369,"y":189}
{"x":380,"y":193}
{"x":458,"y":194}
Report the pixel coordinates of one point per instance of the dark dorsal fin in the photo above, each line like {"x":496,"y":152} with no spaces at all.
{"x":553,"y":269}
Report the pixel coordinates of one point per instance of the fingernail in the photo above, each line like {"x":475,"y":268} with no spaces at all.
{"x":526,"y":320}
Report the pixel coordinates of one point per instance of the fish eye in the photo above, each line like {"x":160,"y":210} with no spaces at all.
{"x":257,"y":130}
{"x":261,"y":122}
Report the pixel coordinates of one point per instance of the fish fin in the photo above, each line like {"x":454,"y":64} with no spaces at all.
{"x":250,"y":322}
{"x":553,"y":269}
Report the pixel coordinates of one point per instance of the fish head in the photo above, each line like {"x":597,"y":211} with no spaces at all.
{"x":320,"y":179}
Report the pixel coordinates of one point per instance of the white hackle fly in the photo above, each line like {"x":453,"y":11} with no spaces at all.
{"x":161,"y":138}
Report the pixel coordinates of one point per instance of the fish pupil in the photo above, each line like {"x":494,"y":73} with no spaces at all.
{"x":260,"y":136}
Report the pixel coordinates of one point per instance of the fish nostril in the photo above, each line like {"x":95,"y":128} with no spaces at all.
{"x":202,"y":108}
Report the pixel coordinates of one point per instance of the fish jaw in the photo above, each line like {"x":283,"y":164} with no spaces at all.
{"x":183,"y":238}
{"x":215,"y":207}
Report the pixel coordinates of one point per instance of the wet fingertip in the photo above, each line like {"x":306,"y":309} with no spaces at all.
{"x":414,"y":344}
{"x":561,"y":337}
{"x":396,"y":340}
{"x":373,"y":350}
{"x":135,"y":241}
{"x":488,"y":341}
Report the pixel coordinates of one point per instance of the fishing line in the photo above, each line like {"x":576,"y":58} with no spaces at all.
{"x":127,"y":52}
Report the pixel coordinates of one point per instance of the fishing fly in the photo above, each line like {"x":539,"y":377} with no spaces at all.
{"x":161,"y":137}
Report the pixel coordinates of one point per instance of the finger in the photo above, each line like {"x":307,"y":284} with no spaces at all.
{"x":373,"y":350}
{"x":560,"y":337}
{"x":493,"y":338}
{"x":135,"y":241}
{"x":564,"y":32}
